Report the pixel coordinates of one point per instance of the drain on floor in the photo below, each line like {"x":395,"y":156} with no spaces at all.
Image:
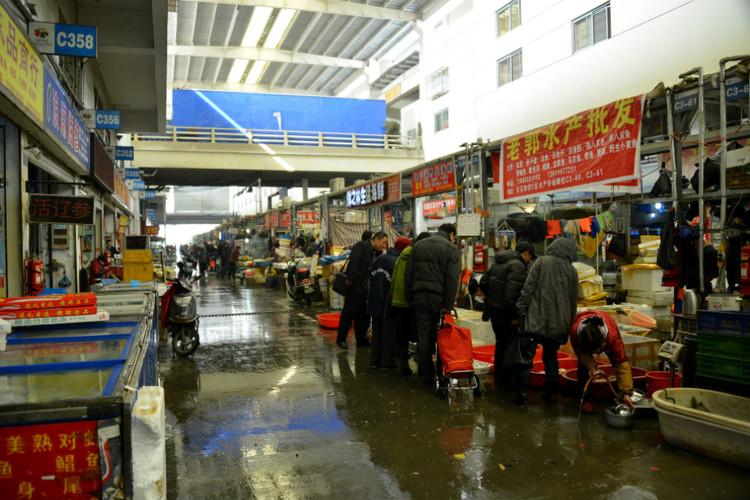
{"x":253,"y":313}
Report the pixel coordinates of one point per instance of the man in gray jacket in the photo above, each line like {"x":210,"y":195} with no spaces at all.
{"x":432,"y":282}
{"x":548,"y":304}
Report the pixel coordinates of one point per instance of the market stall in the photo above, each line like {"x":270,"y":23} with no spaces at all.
{"x":68,"y":398}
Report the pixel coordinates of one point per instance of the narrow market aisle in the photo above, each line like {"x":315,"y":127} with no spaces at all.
{"x":269,"y":407}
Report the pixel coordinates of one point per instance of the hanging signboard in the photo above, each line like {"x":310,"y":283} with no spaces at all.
{"x":152,"y":230}
{"x":125,"y":153}
{"x":132,"y":174}
{"x":308,"y":218}
{"x":377,"y":192}
{"x":434,"y":179}
{"x":54,"y":209}
{"x":597,"y":146}
{"x":285,"y":219}
{"x":63,"y":39}
{"x":21,"y":75}
{"x":274,"y":222}
{"x":63,"y":122}
{"x":440,"y":207}
{"x":138,"y":185}
{"x":101,"y":118}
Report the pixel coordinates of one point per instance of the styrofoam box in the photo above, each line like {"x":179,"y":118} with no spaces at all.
{"x":645,"y":280}
{"x":723,"y":302}
{"x":659,"y":299}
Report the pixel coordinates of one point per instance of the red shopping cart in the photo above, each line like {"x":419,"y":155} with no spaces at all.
{"x":454,"y":361}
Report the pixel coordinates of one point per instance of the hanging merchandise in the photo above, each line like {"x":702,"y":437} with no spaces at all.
{"x":506,"y":237}
{"x":554,"y":228}
{"x":606,"y":221}
{"x":595,"y":227}
{"x":585,"y":225}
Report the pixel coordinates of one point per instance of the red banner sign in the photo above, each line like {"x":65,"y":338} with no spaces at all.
{"x":439,"y":208}
{"x":285,"y":219}
{"x":50,"y":461}
{"x":597,"y":146}
{"x":274,"y":219}
{"x":434,"y":179}
{"x":308,"y":218}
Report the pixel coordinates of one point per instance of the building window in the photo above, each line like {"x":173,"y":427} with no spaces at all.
{"x":510,"y":68}
{"x":509,"y":17}
{"x":591,"y":28}
{"x":441,"y":120}
{"x":438,"y":83}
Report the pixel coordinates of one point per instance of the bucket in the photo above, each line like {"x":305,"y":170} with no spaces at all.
{"x":560,"y":354}
{"x":657,"y":380}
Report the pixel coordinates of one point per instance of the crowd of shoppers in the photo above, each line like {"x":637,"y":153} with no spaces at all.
{"x":220,"y":257}
{"x":405,"y":291}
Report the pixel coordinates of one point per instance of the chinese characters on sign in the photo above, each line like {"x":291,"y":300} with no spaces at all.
{"x":62,"y":121}
{"x":53,"y":209}
{"x":597,"y":146}
{"x":152,"y":230}
{"x":308,"y":218}
{"x":285,"y":219}
{"x":20,"y":68}
{"x":434,"y":179}
{"x":440,"y":207}
{"x":386,"y":190}
{"x":50,"y":461}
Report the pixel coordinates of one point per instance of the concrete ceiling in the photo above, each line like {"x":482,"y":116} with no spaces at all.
{"x":132,"y":58}
{"x":302,"y":46}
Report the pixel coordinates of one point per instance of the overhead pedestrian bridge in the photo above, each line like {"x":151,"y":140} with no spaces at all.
{"x":237,"y":156}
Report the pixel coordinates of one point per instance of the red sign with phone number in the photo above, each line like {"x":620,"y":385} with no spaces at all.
{"x":50,"y":461}
{"x":434,"y":179}
{"x":594,"y":147}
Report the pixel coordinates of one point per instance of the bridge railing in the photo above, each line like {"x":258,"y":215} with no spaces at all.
{"x":282,"y":138}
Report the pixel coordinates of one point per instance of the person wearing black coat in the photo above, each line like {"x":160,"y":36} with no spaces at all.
{"x":381,"y":270}
{"x":432,"y":284}
{"x":355,"y":302}
{"x":502,"y":286}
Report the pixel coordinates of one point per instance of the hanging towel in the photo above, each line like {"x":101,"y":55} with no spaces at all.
{"x":585,"y":224}
{"x":554,"y":228}
{"x":595,"y":227}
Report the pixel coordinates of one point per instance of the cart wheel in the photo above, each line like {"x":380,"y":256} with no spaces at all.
{"x":478,"y":388}
{"x":441,"y":387}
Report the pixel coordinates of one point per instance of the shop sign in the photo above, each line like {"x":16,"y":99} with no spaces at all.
{"x":125,"y":153}
{"x":285,"y":219}
{"x":386,"y":190}
{"x":597,"y":146}
{"x":133,"y":174}
{"x":121,"y":189}
{"x":50,"y":460}
{"x":274,"y":222}
{"x":54,"y":209}
{"x":64,"y":39}
{"x":123,"y":220}
{"x":434,"y":179}
{"x":103,"y":166}
{"x":62,"y":121}
{"x":307,"y":218}
{"x":440,"y":207}
{"x":101,"y":118}
{"x":685,"y":101}
{"x":152,"y":230}
{"x":21,"y":74}
{"x":137,"y":185}
{"x":737,"y":89}
{"x":392,"y":93}
{"x":149,"y":194}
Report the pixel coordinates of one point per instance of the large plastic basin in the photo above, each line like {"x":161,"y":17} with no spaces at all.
{"x":560,"y":354}
{"x":329,"y":320}
{"x":661,"y":380}
{"x":536,"y":378}
{"x":485,"y":353}
{"x":599,"y":389}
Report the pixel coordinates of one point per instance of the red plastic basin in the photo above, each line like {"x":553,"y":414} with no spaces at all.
{"x":560,"y":354}
{"x":661,"y":380}
{"x":485,"y":353}
{"x":329,"y":320}
{"x":599,"y":389}
{"x":536,"y":378}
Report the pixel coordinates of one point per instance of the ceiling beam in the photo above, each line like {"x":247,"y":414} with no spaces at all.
{"x":239,"y":87}
{"x":300,"y":41}
{"x":336,"y":7}
{"x":263,"y":54}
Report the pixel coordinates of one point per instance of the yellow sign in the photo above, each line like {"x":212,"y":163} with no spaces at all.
{"x":392,"y":93}
{"x":20,"y":67}
{"x":121,"y":190}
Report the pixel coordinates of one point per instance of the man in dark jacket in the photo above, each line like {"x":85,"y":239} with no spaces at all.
{"x":355,"y":302}
{"x":383,"y":339}
{"x":548,"y":304}
{"x":502,"y":286}
{"x":432,"y":278}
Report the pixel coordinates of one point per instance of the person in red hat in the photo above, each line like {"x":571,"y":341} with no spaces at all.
{"x":383,"y":340}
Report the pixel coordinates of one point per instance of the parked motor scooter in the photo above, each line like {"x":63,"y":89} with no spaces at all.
{"x":182,"y":316}
{"x":300,"y":285}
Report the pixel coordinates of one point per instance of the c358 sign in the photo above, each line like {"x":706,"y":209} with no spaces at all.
{"x":64,"y":39}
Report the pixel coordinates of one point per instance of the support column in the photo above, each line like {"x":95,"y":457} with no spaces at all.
{"x":305,"y":186}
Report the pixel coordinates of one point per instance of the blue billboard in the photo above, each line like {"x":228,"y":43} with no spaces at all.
{"x":63,"y":121}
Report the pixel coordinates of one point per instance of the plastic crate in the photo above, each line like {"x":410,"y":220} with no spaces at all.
{"x":724,"y":322}
{"x":721,"y":367}
{"x":732,"y":346}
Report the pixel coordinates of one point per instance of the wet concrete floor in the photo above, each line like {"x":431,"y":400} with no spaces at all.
{"x":269,"y":407}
